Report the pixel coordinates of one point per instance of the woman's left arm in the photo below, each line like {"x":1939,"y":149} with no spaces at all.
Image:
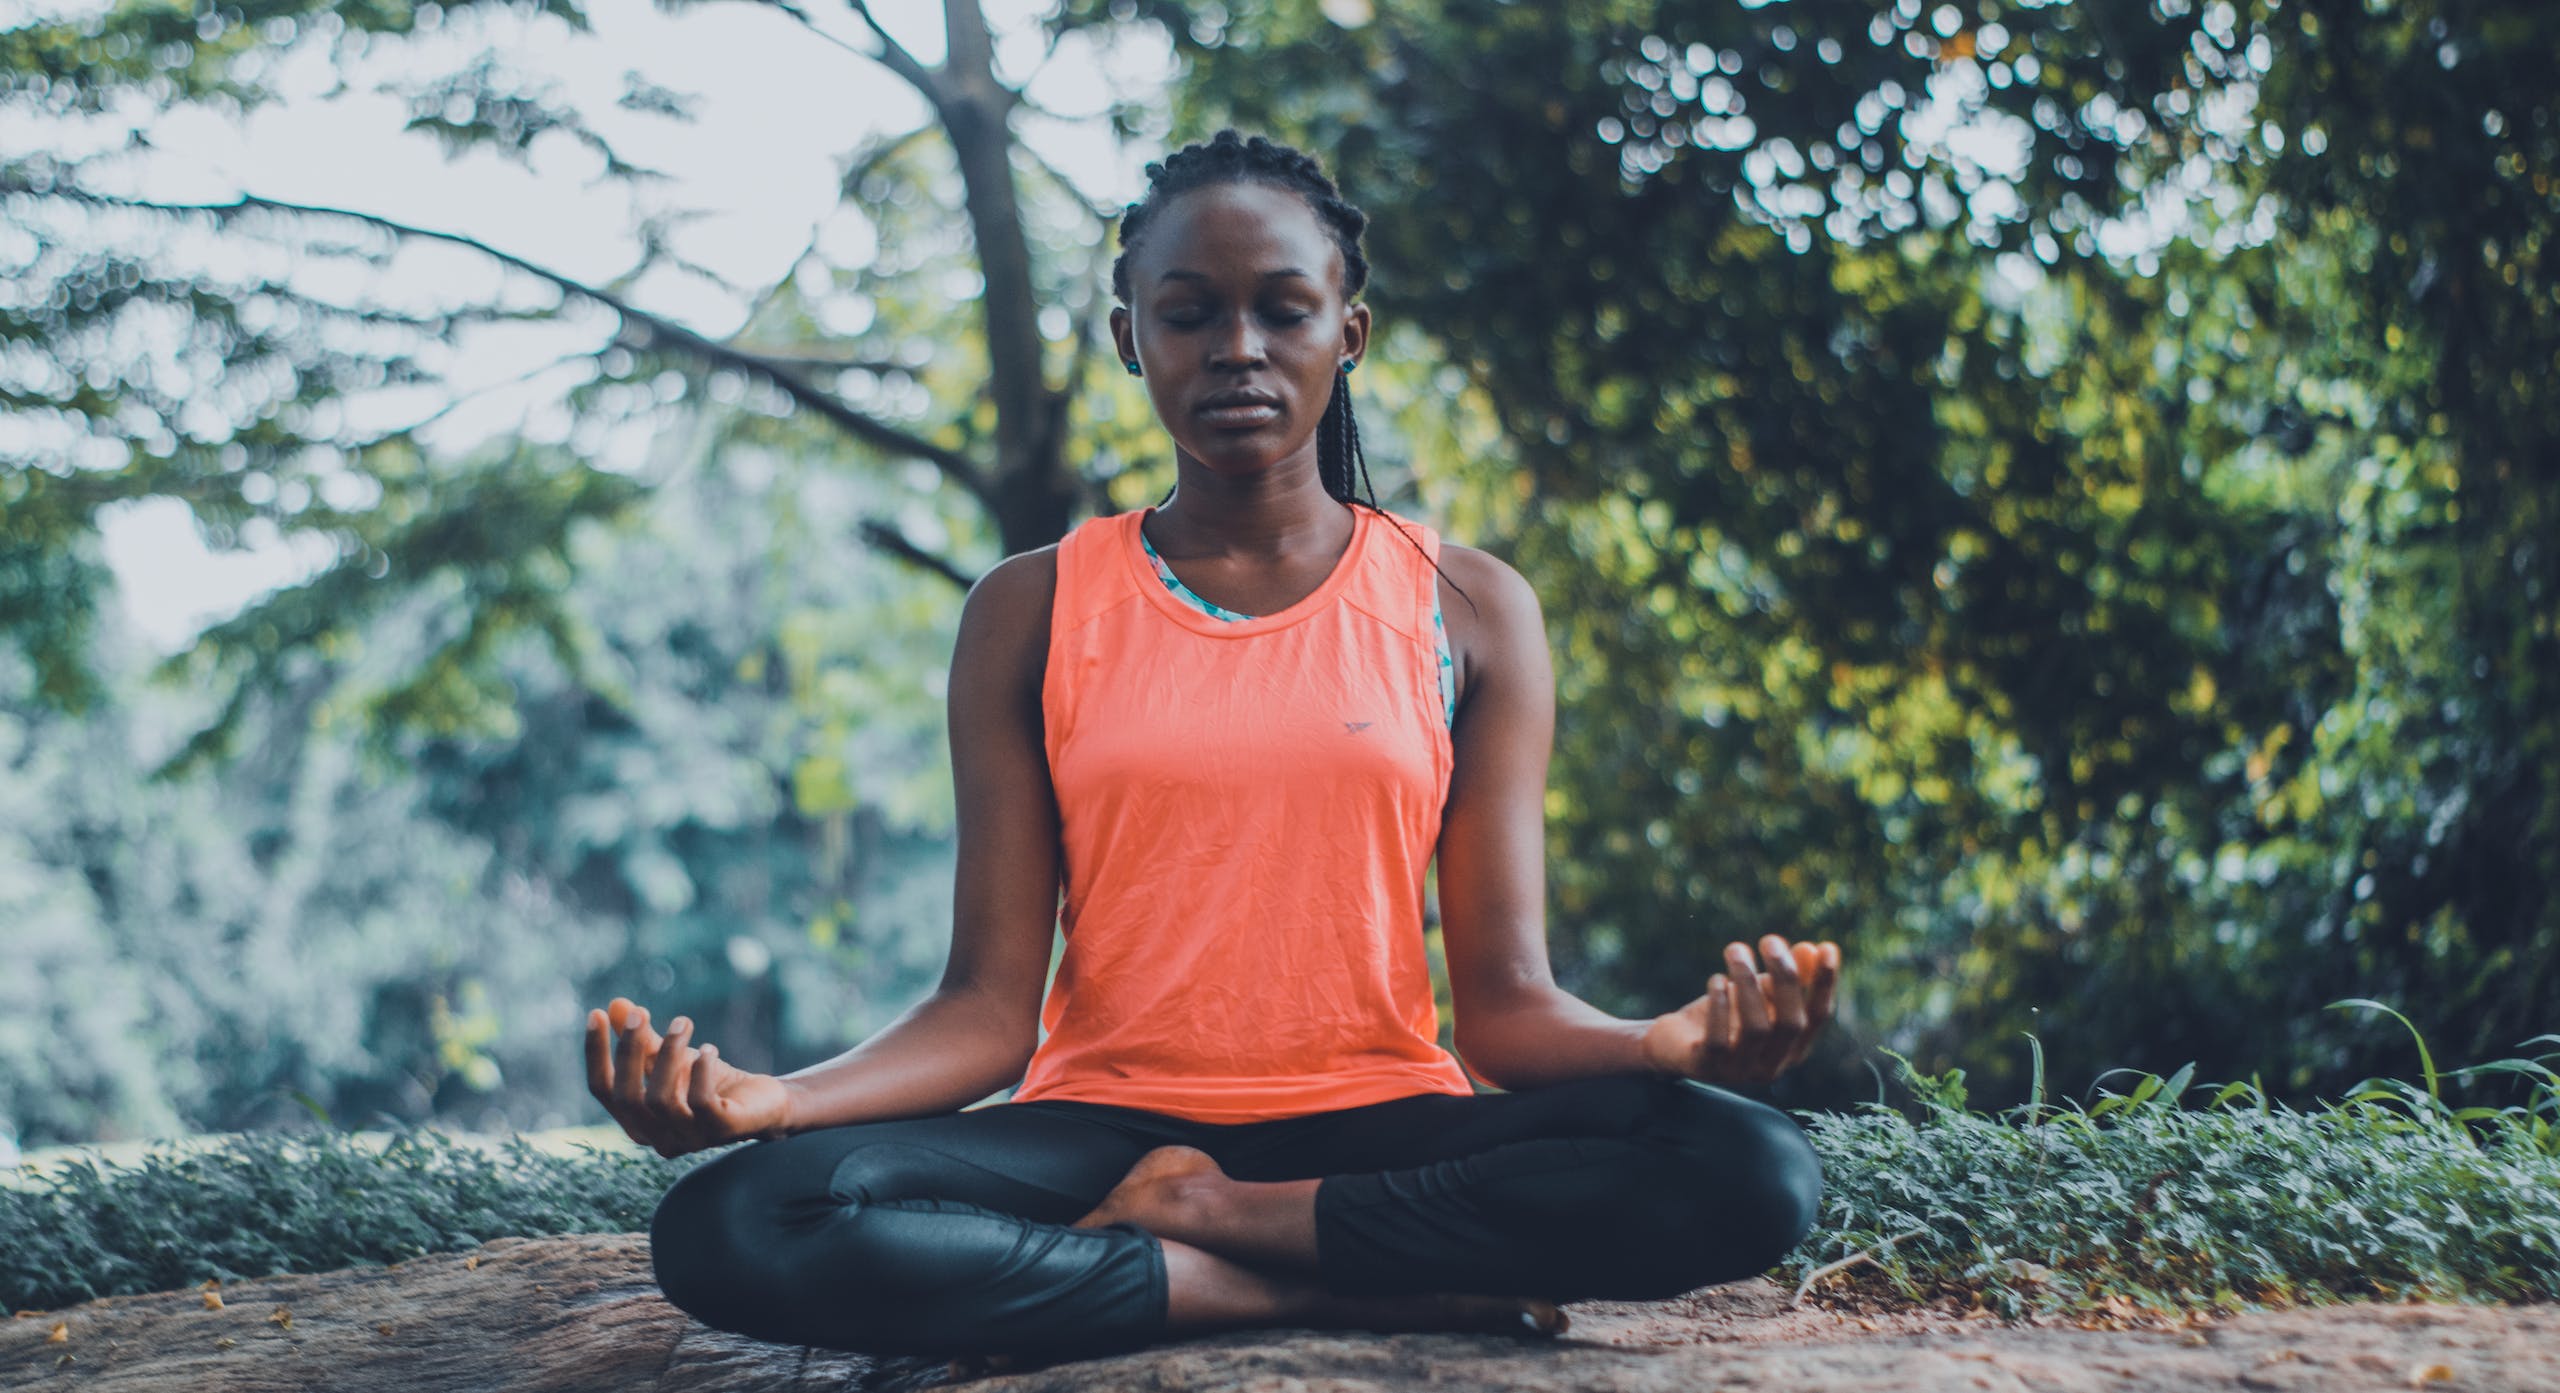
{"x":1515,"y":1028}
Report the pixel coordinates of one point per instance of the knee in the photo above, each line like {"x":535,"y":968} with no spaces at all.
{"x":755,"y":1243}
{"x":719,"y":1243}
{"x":1756,"y":1182}
{"x":693,"y":1239}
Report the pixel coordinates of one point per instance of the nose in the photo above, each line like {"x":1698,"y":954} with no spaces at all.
{"x":1237,"y":345}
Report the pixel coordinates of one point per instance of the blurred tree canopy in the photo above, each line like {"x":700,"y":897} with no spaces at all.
{"x":2050,"y":495}
{"x":690,"y":703}
{"x":974,"y":273}
{"x":2100,"y":561}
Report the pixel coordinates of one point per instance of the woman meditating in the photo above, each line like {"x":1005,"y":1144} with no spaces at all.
{"x":1235,"y":728}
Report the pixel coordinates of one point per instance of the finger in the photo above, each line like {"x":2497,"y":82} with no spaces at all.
{"x":1823,"y":986}
{"x":1808,"y":962}
{"x":1749,"y":1004}
{"x":1787,"y":985}
{"x":1719,"y":1046}
{"x":1826,"y":987}
{"x":1782,"y":1039}
{"x":699,"y":1099}
{"x":667,"y":1073}
{"x":600,"y":1057}
{"x":631,"y":1059}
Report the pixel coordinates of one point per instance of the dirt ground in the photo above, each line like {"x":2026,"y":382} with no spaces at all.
{"x":583,"y":1313}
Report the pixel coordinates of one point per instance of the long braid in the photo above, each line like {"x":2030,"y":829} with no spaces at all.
{"x":1227,"y":158}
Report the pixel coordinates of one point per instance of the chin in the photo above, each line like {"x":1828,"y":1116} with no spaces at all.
{"x":1243,"y":454}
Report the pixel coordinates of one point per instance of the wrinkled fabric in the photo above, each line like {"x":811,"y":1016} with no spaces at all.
{"x":1439,"y":629}
{"x":1247,"y":809}
{"x":953,"y":1234}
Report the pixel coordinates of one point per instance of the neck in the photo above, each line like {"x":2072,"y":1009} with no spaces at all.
{"x":1281,"y":511}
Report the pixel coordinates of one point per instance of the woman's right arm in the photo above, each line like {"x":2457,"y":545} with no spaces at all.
{"x":975,"y":1032}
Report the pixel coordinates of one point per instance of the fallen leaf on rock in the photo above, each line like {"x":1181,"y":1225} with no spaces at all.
{"x":60,"y":1333}
{"x":213,"y":1301}
{"x":2426,"y":1374}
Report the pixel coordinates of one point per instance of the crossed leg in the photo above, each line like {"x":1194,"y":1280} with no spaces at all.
{"x":950,"y":1235}
{"x":1628,"y":1187}
{"x":967,"y":1232}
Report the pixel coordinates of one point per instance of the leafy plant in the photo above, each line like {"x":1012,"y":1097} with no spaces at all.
{"x":2136,"y":1206}
{"x":266,"y":1202}
{"x":2139,"y":1205}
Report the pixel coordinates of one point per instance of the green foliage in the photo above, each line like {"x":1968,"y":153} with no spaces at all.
{"x":409,"y":918}
{"x":2116,"y":583}
{"x":264,"y":1203}
{"x":556,"y":723}
{"x":2142,"y":1203}
{"x":2163,"y":636}
{"x":2137,"y":1205}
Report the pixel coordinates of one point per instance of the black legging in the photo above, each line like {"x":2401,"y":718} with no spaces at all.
{"x":948,"y":1234}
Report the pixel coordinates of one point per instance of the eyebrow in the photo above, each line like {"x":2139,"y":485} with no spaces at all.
{"x":1267,"y":275}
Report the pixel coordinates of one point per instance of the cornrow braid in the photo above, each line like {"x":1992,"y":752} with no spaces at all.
{"x":1232,"y":158}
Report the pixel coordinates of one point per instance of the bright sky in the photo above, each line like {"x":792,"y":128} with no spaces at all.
{"x":779,"y":108}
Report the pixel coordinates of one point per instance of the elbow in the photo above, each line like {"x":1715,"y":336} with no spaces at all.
{"x":1508,"y":1041}
{"x":1480,"y":1059}
{"x":1487,"y":1077}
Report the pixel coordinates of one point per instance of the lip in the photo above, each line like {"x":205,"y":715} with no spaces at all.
{"x":1238,"y":396}
{"x":1242,"y":416}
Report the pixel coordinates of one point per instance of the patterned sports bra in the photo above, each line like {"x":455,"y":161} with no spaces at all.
{"x":1439,"y":631}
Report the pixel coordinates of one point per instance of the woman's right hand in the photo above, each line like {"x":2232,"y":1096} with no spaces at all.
{"x":670,"y":1096}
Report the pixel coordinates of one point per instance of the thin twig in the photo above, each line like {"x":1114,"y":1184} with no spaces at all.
{"x":1874,"y":1255}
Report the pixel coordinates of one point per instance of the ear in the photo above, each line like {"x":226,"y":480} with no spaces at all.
{"x":1355,"y":332}
{"x":1124,"y":335}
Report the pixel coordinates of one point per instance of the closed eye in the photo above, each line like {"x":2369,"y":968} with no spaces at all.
{"x":1194,"y":321}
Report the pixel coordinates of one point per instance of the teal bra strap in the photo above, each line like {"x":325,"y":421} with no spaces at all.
{"x":1439,"y":631}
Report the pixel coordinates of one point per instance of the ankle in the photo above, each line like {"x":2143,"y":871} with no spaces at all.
{"x":1193,"y":1207}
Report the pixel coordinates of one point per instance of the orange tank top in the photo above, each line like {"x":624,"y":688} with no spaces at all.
{"x":1246,"y":810}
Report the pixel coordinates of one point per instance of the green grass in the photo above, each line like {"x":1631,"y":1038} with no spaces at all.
{"x":2167,"y":1198}
{"x":2155,"y":1202}
{"x":263,"y":1203}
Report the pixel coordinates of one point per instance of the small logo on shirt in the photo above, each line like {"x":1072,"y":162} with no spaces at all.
{"x":1355,"y":727}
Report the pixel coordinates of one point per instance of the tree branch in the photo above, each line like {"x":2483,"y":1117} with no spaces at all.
{"x":1098,"y":212}
{"x":974,"y":118}
{"x":808,"y":360}
{"x":894,"y":55}
{"x":657,"y":332}
{"x":879,"y":533}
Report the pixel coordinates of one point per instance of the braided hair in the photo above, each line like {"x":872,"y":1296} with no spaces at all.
{"x":1231,"y":158}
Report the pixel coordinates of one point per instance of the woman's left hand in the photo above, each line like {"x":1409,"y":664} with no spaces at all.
{"x":1753,"y":1024}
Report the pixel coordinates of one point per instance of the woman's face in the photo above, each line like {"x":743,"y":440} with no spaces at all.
{"x":1237,"y":321}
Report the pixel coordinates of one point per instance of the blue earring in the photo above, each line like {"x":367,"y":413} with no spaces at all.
{"x":1133,"y":367}
{"x":1349,"y":363}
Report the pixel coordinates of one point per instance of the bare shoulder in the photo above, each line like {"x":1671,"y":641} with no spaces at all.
{"x":1503,"y":600}
{"x":1494,"y":622}
{"x":1005,"y":620}
{"x":1022,"y":577}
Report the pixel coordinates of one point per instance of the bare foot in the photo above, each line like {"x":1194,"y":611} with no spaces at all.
{"x":1155,"y":1193}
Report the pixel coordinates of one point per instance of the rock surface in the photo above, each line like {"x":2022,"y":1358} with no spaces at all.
{"x":583,"y":1313}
